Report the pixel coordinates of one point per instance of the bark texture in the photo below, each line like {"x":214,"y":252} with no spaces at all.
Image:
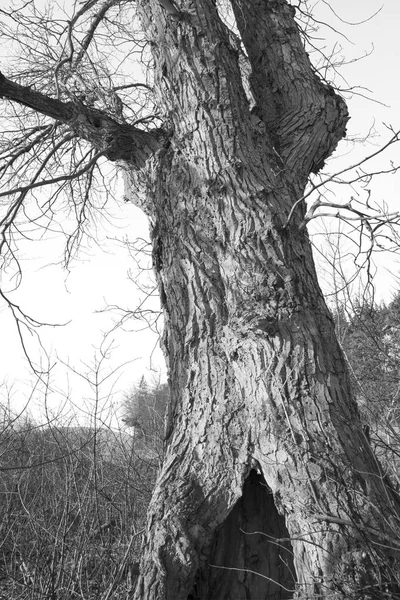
{"x":253,"y":539}
{"x":257,"y":377}
{"x":118,"y":141}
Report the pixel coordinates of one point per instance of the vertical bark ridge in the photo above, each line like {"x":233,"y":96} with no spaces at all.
{"x":198,"y":73}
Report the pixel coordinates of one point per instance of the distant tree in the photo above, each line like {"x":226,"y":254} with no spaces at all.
{"x":372,"y":347}
{"x":144,"y":409}
{"x":367,"y":352}
{"x":369,"y":332}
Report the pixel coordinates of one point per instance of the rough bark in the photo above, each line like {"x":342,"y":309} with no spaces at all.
{"x":118,"y":141}
{"x":304,"y":116}
{"x":253,"y":539}
{"x":257,"y":376}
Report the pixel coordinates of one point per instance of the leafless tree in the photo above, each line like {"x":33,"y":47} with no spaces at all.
{"x":269,"y":486}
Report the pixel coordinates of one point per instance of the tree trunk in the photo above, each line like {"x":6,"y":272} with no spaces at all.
{"x":264,"y":440}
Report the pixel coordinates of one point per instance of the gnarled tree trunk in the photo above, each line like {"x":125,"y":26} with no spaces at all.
{"x":264,"y":440}
{"x":269,"y":488}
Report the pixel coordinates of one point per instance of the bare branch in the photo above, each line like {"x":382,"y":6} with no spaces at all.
{"x":99,"y":16}
{"x":335,"y":178}
{"x":117,"y":141}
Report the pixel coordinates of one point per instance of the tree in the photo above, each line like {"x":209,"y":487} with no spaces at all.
{"x":269,"y":486}
{"x":371,"y":345}
{"x":144,"y":409}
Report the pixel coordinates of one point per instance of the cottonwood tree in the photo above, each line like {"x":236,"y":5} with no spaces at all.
{"x":269,"y":487}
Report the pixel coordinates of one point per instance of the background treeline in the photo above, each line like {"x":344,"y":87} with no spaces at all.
{"x":370,"y":337}
{"x":73,"y":499}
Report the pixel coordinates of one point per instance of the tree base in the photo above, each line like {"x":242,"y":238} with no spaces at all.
{"x":251,"y":557}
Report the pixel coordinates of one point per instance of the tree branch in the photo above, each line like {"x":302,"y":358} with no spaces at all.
{"x":90,"y":34}
{"x":118,"y":141}
{"x":305,"y":117}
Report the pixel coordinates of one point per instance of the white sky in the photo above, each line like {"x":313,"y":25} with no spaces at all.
{"x":47,"y":293}
{"x":376,"y":74}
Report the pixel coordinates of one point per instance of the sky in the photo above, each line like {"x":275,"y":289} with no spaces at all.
{"x":100,"y":277}
{"x":376,"y":104}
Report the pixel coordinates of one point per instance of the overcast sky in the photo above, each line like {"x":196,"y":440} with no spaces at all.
{"x":100,"y":277}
